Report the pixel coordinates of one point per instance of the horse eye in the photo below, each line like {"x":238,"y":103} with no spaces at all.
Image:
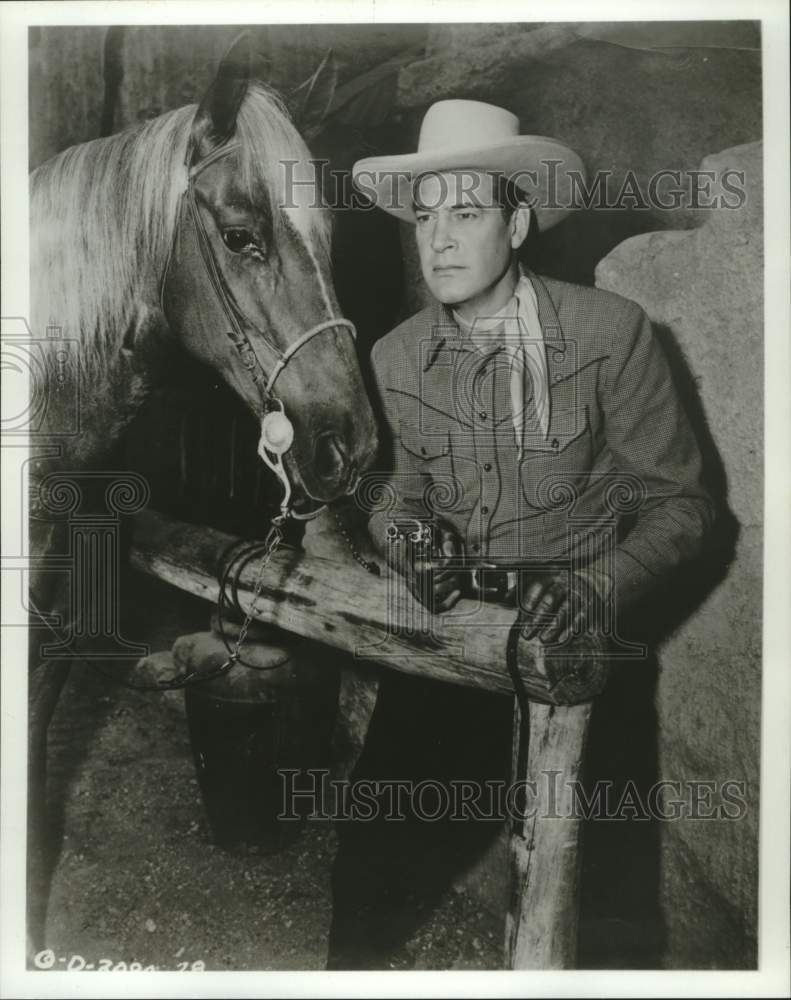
{"x":239,"y":240}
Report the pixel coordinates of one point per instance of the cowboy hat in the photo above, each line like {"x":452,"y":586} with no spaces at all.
{"x":472,"y":135}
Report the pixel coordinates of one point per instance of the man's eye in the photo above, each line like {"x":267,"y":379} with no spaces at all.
{"x":240,"y":240}
{"x":422,"y":218}
{"x":466,"y":215}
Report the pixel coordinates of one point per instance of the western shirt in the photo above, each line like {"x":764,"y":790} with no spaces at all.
{"x":615,"y":485}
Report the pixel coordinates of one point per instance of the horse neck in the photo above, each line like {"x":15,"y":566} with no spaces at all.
{"x":90,"y":404}
{"x":95,"y":277}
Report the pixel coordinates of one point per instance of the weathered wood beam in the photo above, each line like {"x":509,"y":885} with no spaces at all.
{"x":545,"y":844}
{"x":373,"y":618}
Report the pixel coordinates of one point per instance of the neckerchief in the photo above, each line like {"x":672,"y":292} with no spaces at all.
{"x":519,"y":327}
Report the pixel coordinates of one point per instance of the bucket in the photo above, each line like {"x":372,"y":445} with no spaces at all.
{"x":243,"y":727}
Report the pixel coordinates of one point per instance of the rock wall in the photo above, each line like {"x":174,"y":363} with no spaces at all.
{"x":703,"y":292}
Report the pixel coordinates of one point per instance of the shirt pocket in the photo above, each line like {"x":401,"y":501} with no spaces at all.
{"x":431,"y":450}
{"x":553,"y":478}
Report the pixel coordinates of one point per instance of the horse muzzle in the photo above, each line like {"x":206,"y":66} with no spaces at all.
{"x":335,"y":470}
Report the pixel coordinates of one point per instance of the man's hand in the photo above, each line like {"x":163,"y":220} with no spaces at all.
{"x":426,"y":569}
{"x":558,"y":607}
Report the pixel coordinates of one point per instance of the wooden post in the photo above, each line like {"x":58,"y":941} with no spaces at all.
{"x":544,"y":844}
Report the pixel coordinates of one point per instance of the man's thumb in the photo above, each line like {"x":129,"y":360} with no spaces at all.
{"x":448,"y":546}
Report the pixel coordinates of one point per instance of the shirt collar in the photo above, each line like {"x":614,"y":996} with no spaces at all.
{"x":445,"y":325}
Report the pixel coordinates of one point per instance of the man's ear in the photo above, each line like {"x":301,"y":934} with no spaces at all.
{"x":520,"y":225}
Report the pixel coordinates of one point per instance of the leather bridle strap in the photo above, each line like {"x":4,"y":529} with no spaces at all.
{"x":300,"y":342}
{"x":237,"y":334}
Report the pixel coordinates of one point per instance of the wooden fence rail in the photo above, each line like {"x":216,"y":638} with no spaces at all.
{"x":373,"y":618}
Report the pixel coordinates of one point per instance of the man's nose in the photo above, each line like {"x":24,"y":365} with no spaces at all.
{"x":441,"y":238}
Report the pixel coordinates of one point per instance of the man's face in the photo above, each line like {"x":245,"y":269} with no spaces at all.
{"x":463,"y":237}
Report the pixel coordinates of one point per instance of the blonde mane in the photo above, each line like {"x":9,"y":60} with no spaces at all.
{"x":102,"y":218}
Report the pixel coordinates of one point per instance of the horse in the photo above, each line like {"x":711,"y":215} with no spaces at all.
{"x":181,"y":234}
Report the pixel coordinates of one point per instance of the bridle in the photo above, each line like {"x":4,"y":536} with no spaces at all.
{"x":277,"y":431}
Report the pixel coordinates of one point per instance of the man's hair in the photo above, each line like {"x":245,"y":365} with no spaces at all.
{"x":508,"y":196}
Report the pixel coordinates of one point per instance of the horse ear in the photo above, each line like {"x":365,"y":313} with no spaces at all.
{"x":215,"y":120}
{"x":310,"y":101}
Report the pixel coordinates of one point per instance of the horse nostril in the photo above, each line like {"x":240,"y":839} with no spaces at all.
{"x":331,"y":459}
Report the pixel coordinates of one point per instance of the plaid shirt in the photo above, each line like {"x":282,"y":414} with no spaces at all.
{"x":616,"y":483}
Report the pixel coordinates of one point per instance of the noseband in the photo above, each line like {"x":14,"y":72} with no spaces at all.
{"x":277,"y":431}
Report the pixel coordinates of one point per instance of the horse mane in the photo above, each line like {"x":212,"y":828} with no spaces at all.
{"x":103,"y":213}
{"x":267,"y":140}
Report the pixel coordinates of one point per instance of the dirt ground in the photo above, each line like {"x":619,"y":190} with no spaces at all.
{"x":137,"y":878}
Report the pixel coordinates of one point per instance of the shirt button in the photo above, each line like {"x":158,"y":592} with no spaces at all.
{"x":484,"y":510}
{"x":476,"y":547}
{"x":558,"y":377}
{"x":483,"y":415}
{"x":487,"y":467}
{"x":558,"y":356}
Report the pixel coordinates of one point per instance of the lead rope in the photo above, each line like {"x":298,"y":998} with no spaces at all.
{"x":523,"y":703}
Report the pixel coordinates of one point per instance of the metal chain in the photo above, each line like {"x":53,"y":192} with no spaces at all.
{"x":367,"y":564}
{"x":273,"y":540}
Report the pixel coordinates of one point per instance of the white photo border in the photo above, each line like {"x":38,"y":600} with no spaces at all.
{"x":772,"y":976}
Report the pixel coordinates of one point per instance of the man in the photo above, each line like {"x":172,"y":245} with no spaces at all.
{"x":545,"y":411}
{"x":536,"y":440}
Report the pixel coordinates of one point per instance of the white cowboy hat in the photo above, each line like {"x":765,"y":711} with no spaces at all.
{"x":472,"y":135}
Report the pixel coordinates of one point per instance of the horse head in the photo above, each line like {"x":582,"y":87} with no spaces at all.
{"x":247,"y":287}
